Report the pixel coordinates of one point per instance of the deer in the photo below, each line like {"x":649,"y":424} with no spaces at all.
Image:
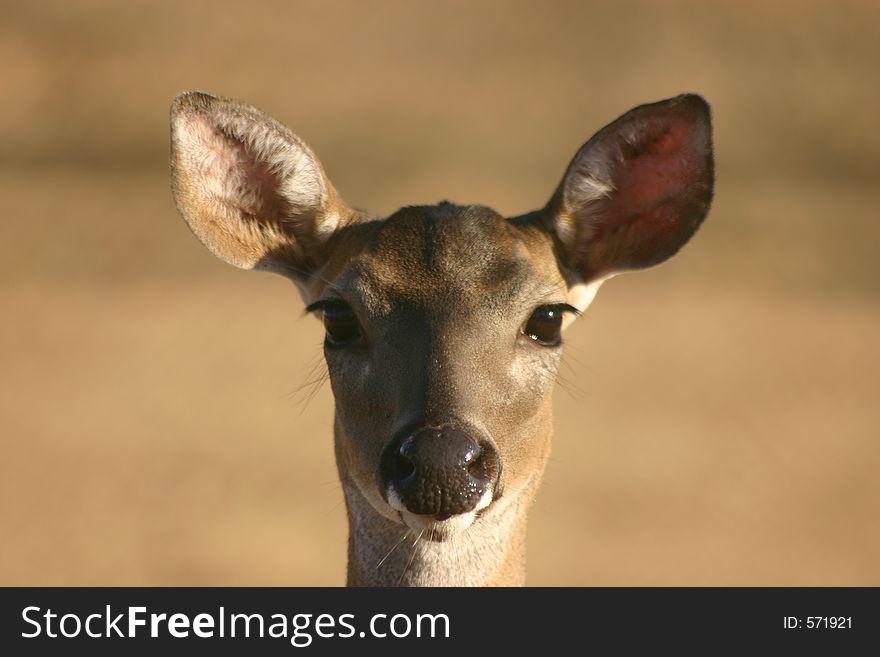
{"x":443,"y":323}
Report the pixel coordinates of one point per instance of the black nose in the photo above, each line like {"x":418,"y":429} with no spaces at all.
{"x":439,"y":472}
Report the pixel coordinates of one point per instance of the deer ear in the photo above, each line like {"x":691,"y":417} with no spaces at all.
{"x":636,"y":191}
{"x":250,"y":189}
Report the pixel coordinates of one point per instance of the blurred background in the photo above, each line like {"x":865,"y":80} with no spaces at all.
{"x":159,"y":420}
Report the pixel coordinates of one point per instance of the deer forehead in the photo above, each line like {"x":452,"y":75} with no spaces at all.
{"x":460,"y":256}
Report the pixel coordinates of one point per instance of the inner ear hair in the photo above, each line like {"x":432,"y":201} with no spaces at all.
{"x":637,"y":191}
{"x":250,"y":189}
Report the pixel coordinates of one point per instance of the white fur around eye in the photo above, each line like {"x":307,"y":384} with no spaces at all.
{"x":581,"y":295}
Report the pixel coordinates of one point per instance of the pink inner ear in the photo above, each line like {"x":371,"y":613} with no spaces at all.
{"x":657,"y":168}
{"x":660,"y":170}
{"x":261,"y":188}
{"x":237,"y":177}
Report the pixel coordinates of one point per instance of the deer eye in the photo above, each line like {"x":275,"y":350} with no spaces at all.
{"x":340,"y":322}
{"x":545,"y":324}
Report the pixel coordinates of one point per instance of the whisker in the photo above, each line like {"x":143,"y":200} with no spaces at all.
{"x":393,"y":548}
{"x":411,"y":557}
{"x":470,"y":538}
{"x":575,"y":374}
{"x":457,"y":562}
{"x":314,"y":380}
{"x":334,"y":508}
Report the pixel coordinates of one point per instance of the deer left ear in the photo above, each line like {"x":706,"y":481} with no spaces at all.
{"x":636,"y":191}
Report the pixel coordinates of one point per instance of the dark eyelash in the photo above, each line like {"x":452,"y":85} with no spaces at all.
{"x":564,"y":308}
{"x":321,"y":304}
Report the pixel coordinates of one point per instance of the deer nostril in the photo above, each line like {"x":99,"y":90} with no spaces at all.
{"x":472,"y":459}
{"x":402,"y":467}
{"x":484,"y":467}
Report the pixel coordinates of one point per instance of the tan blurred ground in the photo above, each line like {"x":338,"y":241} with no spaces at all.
{"x":721,"y":421}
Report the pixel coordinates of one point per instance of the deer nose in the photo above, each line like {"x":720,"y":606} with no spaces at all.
{"x":440,"y":472}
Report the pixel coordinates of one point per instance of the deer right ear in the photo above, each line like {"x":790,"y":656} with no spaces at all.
{"x":250,"y":189}
{"x":636,"y":192}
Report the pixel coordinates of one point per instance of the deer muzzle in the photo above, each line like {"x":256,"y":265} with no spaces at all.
{"x":437,"y":473}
